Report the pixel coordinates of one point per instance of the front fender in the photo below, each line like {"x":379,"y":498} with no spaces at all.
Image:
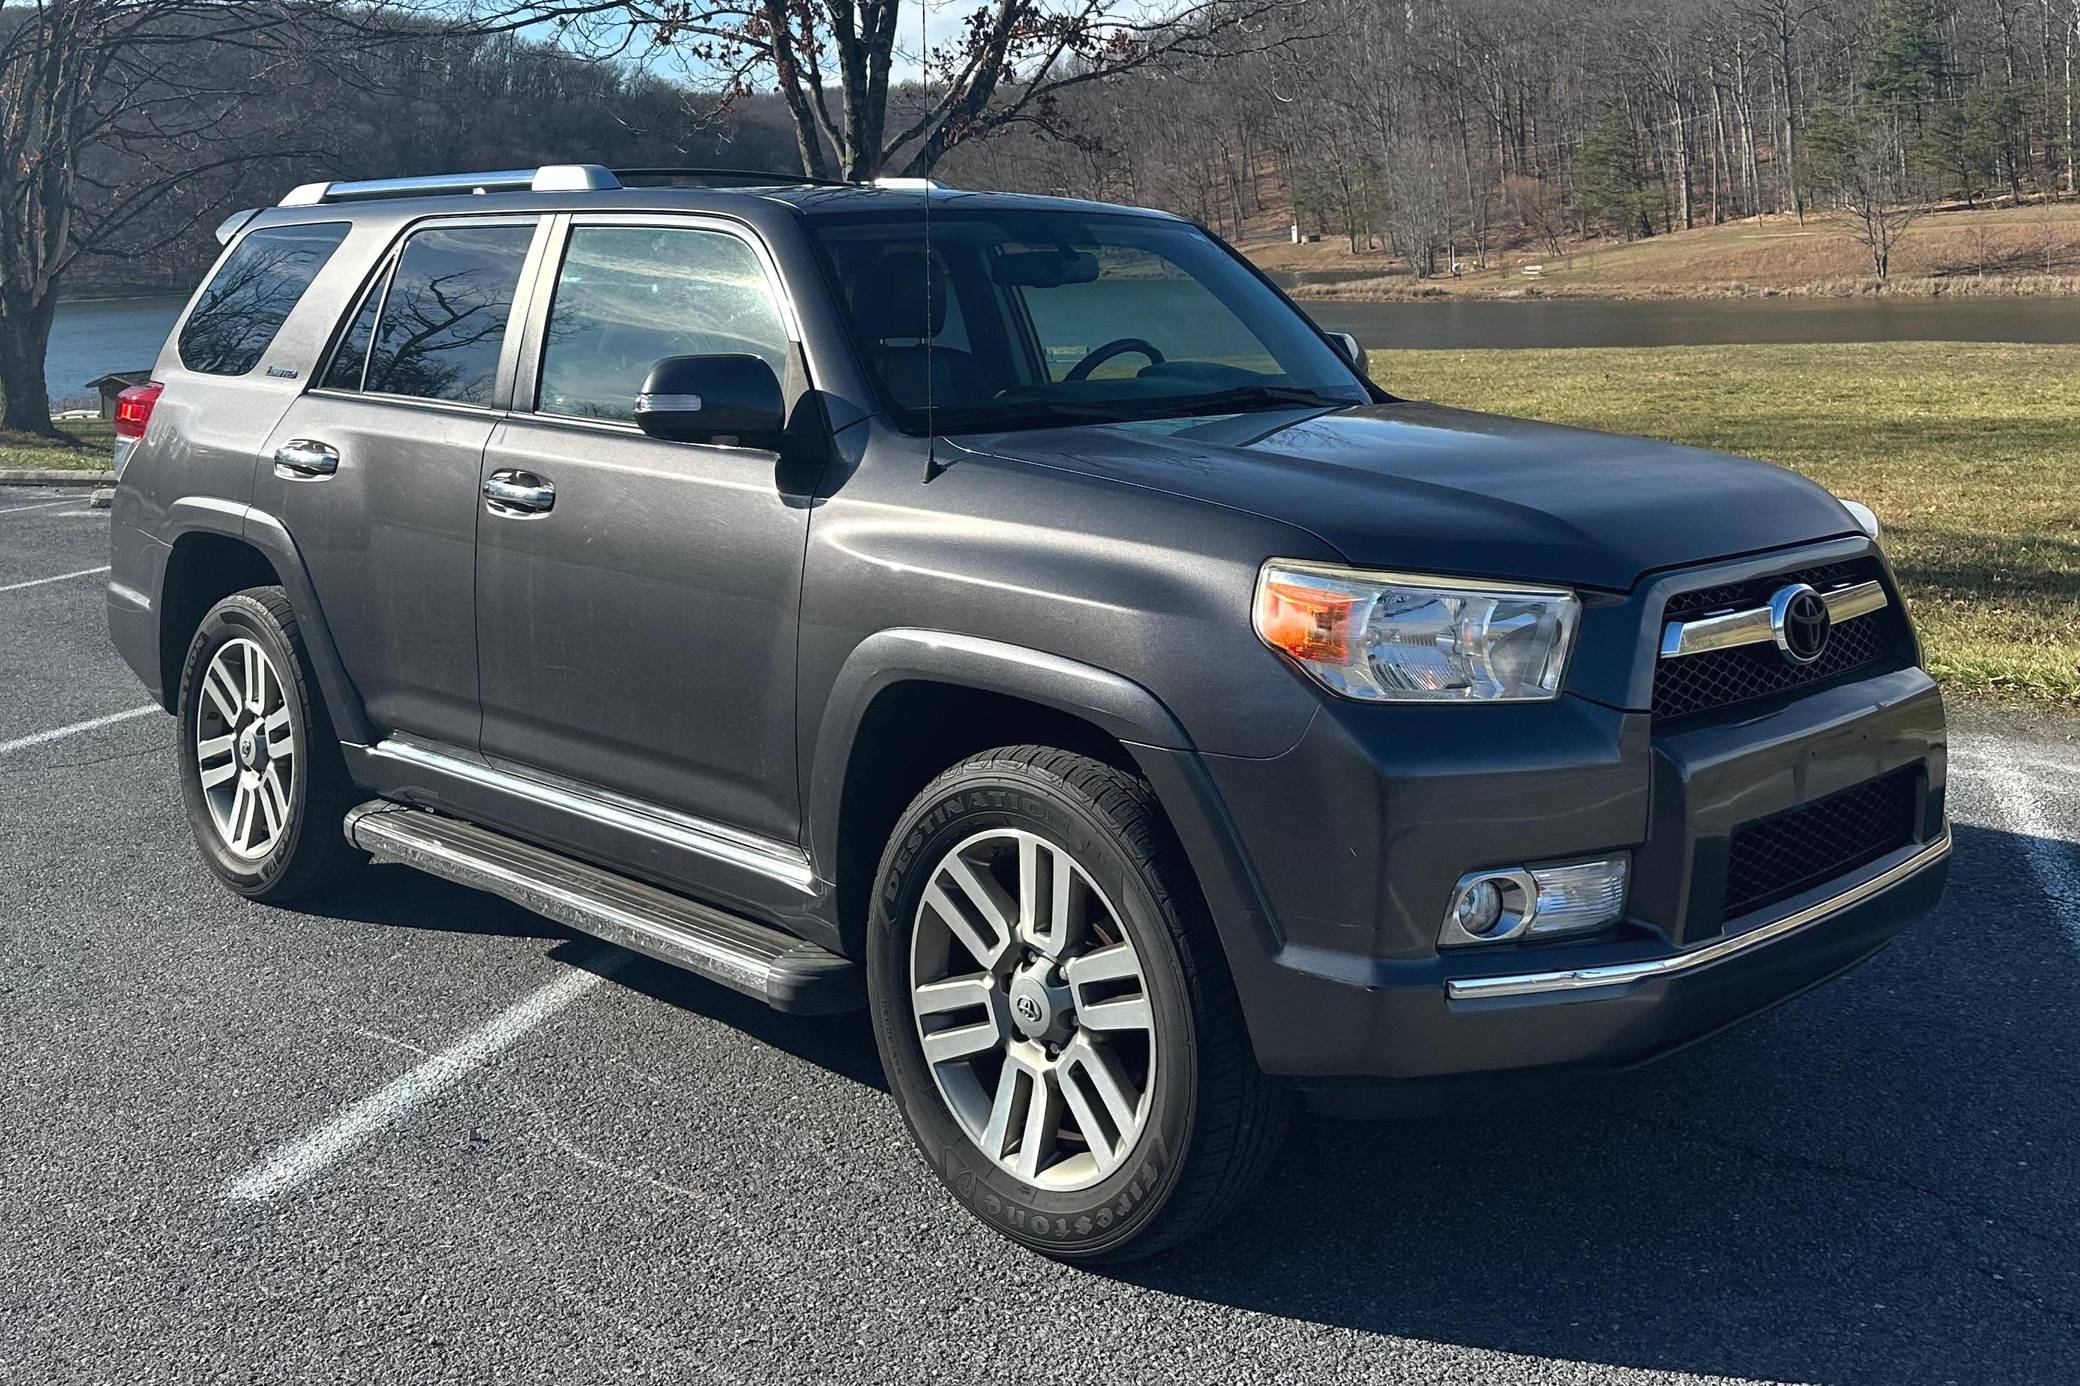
{"x":1130,"y":713}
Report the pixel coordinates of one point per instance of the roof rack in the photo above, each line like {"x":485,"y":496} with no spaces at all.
{"x":550,"y":178}
{"x":727,"y":177}
{"x":547,"y":178}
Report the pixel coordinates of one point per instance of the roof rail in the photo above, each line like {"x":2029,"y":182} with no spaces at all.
{"x":547,"y":178}
{"x":910,"y":184}
{"x":727,"y":177}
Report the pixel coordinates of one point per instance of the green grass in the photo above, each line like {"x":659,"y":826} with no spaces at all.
{"x":1970,"y":453}
{"x":86,"y":449}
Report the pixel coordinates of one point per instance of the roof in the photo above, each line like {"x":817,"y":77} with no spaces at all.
{"x":136,"y":377}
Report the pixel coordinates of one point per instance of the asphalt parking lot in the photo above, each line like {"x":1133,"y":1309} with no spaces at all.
{"x":417,"y":1134}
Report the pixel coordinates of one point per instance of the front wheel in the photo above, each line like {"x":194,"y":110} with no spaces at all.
{"x":261,"y":773}
{"x":1053,"y":1011}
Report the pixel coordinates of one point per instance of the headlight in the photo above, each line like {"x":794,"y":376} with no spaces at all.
{"x":1865,"y":517}
{"x":1391,"y":637}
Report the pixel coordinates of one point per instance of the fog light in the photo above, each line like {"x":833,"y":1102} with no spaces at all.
{"x":1480,"y":908}
{"x":1534,"y":902}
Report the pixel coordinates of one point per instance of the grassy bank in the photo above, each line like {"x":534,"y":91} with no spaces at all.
{"x":1970,"y":454}
{"x":85,"y":449}
{"x":2006,"y":253}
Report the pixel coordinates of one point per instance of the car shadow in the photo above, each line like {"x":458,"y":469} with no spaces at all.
{"x":1876,"y":1183}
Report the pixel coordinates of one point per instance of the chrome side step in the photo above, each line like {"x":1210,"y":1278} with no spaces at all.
{"x":779,"y":969}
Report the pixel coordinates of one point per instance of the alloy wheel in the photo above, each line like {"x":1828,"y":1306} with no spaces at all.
{"x":1033,"y":1009}
{"x":245,"y":748}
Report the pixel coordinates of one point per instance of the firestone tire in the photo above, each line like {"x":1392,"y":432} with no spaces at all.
{"x":262,"y":779}
{"x":1208,"y":1122}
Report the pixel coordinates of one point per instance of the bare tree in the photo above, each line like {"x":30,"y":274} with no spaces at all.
{"x":113,"y":82}
{"x":834,"y":62}
{"x":1876,"y":194}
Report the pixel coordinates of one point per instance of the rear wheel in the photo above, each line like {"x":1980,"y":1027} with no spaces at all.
{"x":261,"y":773}
{"x":1054,"y":1013}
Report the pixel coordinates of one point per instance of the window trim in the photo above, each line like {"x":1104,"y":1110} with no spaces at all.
{"x":217,"y":269}
{"x":527,"y":383}
{"x":386,"y":270}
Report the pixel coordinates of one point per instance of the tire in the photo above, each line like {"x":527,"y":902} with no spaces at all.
{"x":1203,"y":1123}
{"x":271,"y":829}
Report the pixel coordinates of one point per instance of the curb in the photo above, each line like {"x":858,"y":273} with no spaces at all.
{"x":19,"y":476}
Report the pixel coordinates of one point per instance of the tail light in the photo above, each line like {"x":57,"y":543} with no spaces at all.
{"x":134,"y":409}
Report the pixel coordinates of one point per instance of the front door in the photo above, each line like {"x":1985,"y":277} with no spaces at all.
{"x":377,"y":471}
{"x":637,"y":599}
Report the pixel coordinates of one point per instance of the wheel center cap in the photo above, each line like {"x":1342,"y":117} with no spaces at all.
{"x":249,"y":747}
{"x":1040,"y":1005}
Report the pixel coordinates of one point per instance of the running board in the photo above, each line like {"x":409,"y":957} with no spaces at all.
{"x":787,"y":973}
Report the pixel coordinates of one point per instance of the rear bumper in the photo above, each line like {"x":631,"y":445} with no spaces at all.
{"x":1357,"y":836}
{"x":136,"y":578}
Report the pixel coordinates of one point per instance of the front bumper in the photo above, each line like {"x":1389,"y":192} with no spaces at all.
{"x":1351,"y":991}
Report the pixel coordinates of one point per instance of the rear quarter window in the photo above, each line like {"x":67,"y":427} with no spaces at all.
{"x":245,"y":304}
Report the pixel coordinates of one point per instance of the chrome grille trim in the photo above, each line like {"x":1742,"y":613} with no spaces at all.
{"x":1752,"y":626}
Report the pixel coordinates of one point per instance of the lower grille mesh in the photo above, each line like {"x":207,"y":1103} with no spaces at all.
{"x":1773,"y":859}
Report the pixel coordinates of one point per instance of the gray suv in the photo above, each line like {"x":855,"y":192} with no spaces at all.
{"x":1013,"y":616}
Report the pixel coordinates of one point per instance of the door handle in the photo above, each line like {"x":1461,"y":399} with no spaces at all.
{"x":302,"y":459}
{"x":518,"y":493}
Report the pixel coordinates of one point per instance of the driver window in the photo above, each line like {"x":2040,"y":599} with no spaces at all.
{"x":1135,"y":294}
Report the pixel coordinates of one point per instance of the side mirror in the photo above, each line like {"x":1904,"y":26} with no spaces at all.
{"x":1352,"y":352}
{"x":731,"y":399}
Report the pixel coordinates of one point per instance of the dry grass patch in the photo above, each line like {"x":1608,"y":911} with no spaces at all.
{"x":2007,"y":252}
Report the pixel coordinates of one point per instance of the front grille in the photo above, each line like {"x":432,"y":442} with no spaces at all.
{"x":1722,"y":678}
{"x":1775,"y":858}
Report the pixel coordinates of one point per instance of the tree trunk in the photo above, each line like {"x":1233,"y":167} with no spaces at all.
{"x":2072,"y":155}
{"x":24,"y":339}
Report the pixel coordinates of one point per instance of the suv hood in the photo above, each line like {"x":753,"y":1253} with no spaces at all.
{"x":1425,"y":488}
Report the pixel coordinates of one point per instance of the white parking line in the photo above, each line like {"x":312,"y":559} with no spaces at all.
{"x":40,"y":505}
{"x":60,"y":577}
{"x":2049,"y":855}
{"x":303,"y":1157}
{"x":21,"y":743}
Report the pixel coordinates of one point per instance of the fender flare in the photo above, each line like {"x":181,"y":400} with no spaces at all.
{"x":1115,"y":704}
{"x":271,"y":539}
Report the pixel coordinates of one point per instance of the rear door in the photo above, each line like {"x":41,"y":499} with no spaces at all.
{"x":377,"y":467}
{"x":637,"y":628}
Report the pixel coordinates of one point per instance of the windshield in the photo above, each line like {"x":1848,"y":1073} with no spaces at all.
{"x":1019,"y":319}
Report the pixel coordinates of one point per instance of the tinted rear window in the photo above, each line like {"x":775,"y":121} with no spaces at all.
{"x":444,"y":319}
{"x":247,"y":302}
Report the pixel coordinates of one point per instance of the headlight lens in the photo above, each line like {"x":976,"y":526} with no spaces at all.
{"x":1393,"y":638}
{"x":1865,"y":517}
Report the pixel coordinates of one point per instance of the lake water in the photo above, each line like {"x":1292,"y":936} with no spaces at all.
{"x":94,"y":337}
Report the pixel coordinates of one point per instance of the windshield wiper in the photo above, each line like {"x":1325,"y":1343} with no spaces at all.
{"x":1030,"y":413}
{"x":988,"y":418}
{"x":1242,"y":397}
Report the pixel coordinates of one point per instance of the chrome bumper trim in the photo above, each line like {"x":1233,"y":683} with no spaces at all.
{"x":1675,"y":964}
{"x":1752,"y":627}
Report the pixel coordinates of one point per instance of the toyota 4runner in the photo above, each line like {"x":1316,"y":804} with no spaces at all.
{"x":1011,"y":615}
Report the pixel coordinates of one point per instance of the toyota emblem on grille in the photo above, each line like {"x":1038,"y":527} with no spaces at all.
{"x":1799,"y":622}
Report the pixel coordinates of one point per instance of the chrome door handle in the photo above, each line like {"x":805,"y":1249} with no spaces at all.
{"x":301,"y":459}
{"x":518,"y":493}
